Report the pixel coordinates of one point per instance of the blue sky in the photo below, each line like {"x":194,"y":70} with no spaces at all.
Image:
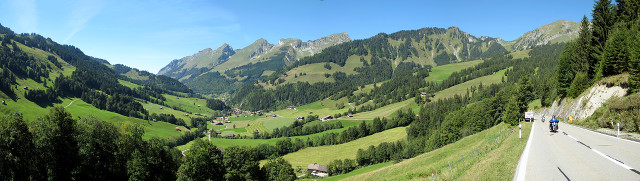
{"x":148,"y":34}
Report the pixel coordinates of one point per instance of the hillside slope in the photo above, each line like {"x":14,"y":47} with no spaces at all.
{"x":38,"y":74}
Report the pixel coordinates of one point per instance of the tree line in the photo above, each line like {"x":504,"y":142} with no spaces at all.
{"x":59,"y":147}
{"x":606,"y":45}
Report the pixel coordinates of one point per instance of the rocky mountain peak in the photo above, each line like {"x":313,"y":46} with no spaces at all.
{"x":556,"y":32}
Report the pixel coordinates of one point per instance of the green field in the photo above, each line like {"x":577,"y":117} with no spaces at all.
{"x":386,"y":111}
{"x":128,"y":84}
{"x":255,"y":142}
{"x":520,"y":54}
{"x":497,"y":163}
{"x":79,"y":108}
{"x":322,"y":108}
{"x":193,"y":105}
{"x":443,"y":72}
{"x":325,"y":154}
{"x":155,"y":108}
{"x":315,"y":72}
{"x":461,"y":89}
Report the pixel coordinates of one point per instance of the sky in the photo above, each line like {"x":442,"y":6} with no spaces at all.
{"x":148,"y":34}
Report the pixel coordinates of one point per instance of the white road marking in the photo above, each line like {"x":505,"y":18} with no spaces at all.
{"x":603,"y":155}
{"x":604,"y":134}
{"x":525,"y":157}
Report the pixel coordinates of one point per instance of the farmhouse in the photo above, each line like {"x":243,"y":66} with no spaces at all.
{"x":318,"y":170}
{"x":177,"y":128}
{"x":291,"y":107}
{"x":230,"y":135}
{"x":217,"y":123}
{"x":423,"y":94}
{"x":300,"y":118}
{"x":349,"y":115}
{"x":326,"y":118}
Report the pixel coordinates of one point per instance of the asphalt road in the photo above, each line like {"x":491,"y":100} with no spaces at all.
{"x":574,"y":153}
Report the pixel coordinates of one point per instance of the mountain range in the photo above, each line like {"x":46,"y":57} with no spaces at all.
{"x":225,"y":69}
{"x":225,"y":57}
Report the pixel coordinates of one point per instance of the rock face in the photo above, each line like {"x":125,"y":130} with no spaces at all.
{"x":585,"y":105}
{"x":225,"y":58}
{"x":556,"y":32}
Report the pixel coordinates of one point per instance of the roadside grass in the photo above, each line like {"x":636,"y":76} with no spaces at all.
{"x":497,"y":151}
{"x":461,"y":89}
{"x":440,"y":73}
{"x":325,"y":154}
{"x":501,"y":163}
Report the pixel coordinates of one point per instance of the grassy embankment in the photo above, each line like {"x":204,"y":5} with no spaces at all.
{"x":496,"y":157}
{"x":325,"y":154}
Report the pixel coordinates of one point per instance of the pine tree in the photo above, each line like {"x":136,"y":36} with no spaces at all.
{"x":564,"y":73}
{"x":615,"y":55}
{"x":627,"y":10}
{"x":603,"y":19}
{"x":634,"y":62}
{"x":582,"y":60}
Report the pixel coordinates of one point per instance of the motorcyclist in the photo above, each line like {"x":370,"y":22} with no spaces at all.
{"x":552,"y":121}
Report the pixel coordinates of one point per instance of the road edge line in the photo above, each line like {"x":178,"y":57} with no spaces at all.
{"x":602,"y":133}
{"x":524,"y":158}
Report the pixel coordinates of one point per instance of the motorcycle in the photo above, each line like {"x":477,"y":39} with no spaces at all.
{"x":553,"y":126}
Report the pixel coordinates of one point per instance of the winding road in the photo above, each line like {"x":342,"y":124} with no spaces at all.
{"x":574,"y":153}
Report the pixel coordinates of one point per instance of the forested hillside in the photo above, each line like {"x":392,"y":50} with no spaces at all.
{"x":381,"y":57}
{"x":607,"y":45}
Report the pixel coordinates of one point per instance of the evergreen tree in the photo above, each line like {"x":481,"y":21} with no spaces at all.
{"x":615,"y":57}
{"x":511,"y":111}
{"x":634,"y":62}
{"x":603,"y":19}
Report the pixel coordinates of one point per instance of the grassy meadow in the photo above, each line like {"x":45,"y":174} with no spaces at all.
{"x":497,"y":163}
{"x":325,"y":154}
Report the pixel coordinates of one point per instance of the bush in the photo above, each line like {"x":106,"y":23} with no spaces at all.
{"x":579,"y":84}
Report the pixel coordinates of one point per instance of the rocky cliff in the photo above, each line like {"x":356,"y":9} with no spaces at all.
{"x":585,"y":105}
